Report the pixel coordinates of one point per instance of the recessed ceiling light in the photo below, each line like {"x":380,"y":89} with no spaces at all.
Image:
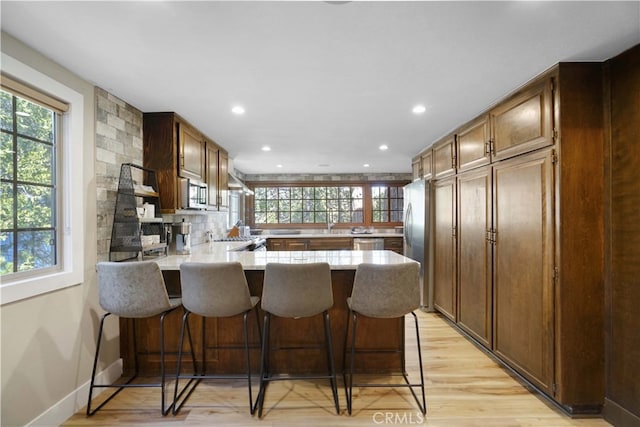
{"x":383,"y":147}
{"x":237,"y":110}
{"x":278,"y":166}
{"x":419,"y":109}
{"x":366,"y":165}
{"x":266,"y":148}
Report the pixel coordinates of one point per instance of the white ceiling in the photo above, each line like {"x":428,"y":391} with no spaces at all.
{"x":323,"y":83}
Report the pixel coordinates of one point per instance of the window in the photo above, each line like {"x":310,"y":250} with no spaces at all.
{"x":362,"y":204}
{"x":387,"y":203}
{"x":307,"y":205}
{"x":28,"y":200}
{"x":42,"y":183}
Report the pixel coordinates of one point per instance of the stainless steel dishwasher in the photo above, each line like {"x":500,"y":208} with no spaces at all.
{"x":368,"y":243}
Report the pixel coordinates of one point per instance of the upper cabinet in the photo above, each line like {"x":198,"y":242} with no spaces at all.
{"x":427,"y":164}
{"x":211,"y":156}
{"x":473,"y":144}
{"x":416,"y":168}
{"x":175,"y":150}
{"x":444,"y":157}
{"x":223,"y":179}
{"x":524,"y":122}
{"x":192,"y":152}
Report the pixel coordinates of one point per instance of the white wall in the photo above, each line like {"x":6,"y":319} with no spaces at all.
{"x":48,"y":341}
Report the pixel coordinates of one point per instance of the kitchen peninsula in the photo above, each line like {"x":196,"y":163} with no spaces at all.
{"x":387,"y":334}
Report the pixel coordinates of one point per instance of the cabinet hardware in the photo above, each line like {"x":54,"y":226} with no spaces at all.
{"x":554,"y":157}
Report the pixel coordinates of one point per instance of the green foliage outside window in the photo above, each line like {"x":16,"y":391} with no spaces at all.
{"x":27,"y":185}
{"x":321,"y":204}
{"x":308,"y":205}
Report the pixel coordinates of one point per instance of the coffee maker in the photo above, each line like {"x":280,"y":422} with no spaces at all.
{"x":182,"y":237}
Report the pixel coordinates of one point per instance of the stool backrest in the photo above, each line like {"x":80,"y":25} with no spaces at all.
{"x":214,"y":289}
{"x":297,"y":290}
{"x":386,"y":291}
{"x":132,"y":289}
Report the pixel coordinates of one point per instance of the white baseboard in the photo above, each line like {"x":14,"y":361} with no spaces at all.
{"x":77,"y":399}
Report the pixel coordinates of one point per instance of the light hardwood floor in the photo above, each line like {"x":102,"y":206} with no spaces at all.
{"x":464,"y":387}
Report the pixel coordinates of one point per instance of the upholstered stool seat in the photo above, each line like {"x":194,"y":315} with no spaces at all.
{"x":383,"y":291}
{"x":296,"y":291}
{"x":134,"y":290}
{"x":214,"y":290}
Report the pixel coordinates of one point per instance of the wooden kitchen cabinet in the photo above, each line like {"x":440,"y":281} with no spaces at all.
{"x":523,"y":265}
{"x":175,"y":149}
{"x":212,"y":175}
{"x":475,"y":236}
{"x":286,"y":244}
{"x":223,"y":180}
{"x":330,"y":243}
{"x":191,"y":147}
{"x":444,"y":157}
{"x":416,"y":168}
{"x":427,"y":165}
{"x":445,"y":291}
{"x":524,"y":122}
{"x":395,"y":244}
{"x":473,"y":145}
{"x":546,"y":235}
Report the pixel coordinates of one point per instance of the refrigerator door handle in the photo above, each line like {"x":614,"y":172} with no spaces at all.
{"x":408,"y":224}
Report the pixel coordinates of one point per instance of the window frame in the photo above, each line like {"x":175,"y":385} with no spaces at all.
{"x":366,"y":200}
{"x":69,"y":269}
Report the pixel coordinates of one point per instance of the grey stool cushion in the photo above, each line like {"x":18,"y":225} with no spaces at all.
{"x":215,"y":289}
{"x":386,"y":291}
{"x":133,"y":289}
{"x":297,"y":290}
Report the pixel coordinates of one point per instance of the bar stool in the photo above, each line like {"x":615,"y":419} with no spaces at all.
{"x":132,"y":290}
{"x":296,"y":291}
{"x":383,"y":291}
{"x":215,"y":290}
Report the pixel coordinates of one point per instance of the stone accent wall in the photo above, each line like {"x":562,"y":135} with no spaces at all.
{"x":119,"y":140}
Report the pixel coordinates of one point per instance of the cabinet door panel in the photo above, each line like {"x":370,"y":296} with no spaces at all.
{"x":330,"y":244}
{"x":191,"y":145}
{"x":472,"y":145}
{"x":523,"y":123}
{"x":523,"y":265}
{"x":475,"y":254}
{"x":223,"y":179}
{"x":212,"y":174}
{"x":445,"y":247}
{"x":427,"y":166}
{"x":416,"y":168}
{"x":444,"y":155}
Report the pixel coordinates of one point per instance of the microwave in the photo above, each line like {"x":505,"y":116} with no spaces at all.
{"x":193,"y":194}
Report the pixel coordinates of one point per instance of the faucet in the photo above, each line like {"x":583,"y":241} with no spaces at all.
{"x":329,"y":221}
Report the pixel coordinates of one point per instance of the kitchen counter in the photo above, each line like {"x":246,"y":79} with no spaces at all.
{"x":334,"y":234}
{"x":387,"y":334}
{"x":232,"y":251}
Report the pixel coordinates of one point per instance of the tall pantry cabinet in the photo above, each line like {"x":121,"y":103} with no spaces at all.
{"x":526,"y":196}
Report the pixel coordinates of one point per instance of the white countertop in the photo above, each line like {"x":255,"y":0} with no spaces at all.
{"x":227,"y":251}
{"x":266,"y":235}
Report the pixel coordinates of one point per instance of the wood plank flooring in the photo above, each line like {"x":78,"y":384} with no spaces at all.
{"x":464,"y":387}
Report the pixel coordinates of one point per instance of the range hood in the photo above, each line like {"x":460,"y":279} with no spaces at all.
{"x":235,"y":183}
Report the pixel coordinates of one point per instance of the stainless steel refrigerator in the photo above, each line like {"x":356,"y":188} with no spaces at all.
{"x":416,"y":235}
